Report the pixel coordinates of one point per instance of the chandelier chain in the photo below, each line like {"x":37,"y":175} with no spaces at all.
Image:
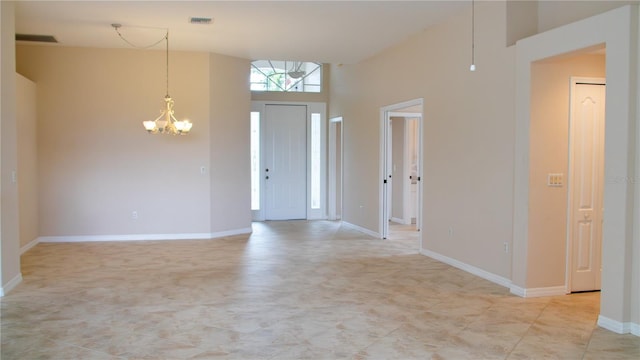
{"x":167,"y":38}
{"x":117,"y":27}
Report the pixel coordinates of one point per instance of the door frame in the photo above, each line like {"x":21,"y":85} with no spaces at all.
{"x":386,"y":113}
{"x":575,"y":80}
{"x":312,"y":108}
{"x":334,"y":203}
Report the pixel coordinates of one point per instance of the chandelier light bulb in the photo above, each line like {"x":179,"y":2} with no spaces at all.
{"x":472,"y":67}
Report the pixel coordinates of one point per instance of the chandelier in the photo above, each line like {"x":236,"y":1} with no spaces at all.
{"x":166,"y":123}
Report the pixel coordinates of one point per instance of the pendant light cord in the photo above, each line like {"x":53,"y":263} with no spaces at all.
{"x":473,"y":32}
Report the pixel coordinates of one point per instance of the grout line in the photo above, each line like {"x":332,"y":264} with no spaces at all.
{"x":86,"y":348}
{"x":528,"y":329}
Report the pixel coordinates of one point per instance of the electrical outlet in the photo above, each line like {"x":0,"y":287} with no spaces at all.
{"x":134,"y":215}
{"x":202,"y":169}
{"x":505,"y":245}
{"x":450,"y":231}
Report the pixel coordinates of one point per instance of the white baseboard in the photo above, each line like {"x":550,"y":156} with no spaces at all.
{"x":361,"y":229}
{"x":517,"y":290}
{"x":614,"y":325}
{"x":219,"y":234}
{"x":618,"y":326}
{"x":10,"y":285}
{"x":538,"y":292}
{"x":497,"y":279}
{"x":31,"y":244}
{"x":398,"y":220}
{"x":139,"y":237}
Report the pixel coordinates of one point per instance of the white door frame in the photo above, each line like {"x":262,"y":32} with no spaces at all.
{"x":312,"y":107}
{"x":335,"y":204}
{"x":570,"y":181}
{"x":385,"y":114}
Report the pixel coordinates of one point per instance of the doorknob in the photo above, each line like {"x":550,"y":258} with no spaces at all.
{"x":586,"y":216}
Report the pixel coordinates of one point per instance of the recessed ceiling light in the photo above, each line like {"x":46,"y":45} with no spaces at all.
{"x":200,"y":20}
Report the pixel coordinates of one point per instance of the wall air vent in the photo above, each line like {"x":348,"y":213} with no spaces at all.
{"x":36,"y":38}
{"x":200,"y":20}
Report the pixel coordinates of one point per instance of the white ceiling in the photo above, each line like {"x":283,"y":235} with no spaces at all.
{"x":325,"y":31}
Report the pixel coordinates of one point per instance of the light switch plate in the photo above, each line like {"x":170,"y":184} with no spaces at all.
{"x":555,"y":180}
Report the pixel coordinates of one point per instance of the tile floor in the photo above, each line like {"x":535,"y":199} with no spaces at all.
{"x":291,"y":290}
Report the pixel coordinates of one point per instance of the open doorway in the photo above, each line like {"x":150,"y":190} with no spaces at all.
{"x":401,"y":150}
{"x":532,"y":260}
{"x":403,"y":160}
{"x":566,"y":168}
{"x":335,"y":171}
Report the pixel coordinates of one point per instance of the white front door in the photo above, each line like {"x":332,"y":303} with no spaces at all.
{"x":586,"y":184}
{"x":285,"y":162}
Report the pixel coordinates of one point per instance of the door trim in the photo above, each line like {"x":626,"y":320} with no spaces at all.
{"x":570,"y":194}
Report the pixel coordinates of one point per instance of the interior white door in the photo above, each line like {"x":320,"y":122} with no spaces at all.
{"x":285,"y":162}
{"x":586,"y":184}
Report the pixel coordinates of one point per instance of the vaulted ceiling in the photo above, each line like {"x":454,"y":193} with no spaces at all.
{"x":324,"y":31}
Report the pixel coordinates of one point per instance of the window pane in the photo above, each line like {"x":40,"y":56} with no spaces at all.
{"x":255,"y":160}
{"x":315,"y":160}
{"x":285,"y":76}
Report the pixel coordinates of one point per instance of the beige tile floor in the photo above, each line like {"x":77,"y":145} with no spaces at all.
{"x":291,"y":290}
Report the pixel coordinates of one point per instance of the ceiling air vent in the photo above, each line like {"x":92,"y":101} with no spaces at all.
{"x":36,"y":38}
{"x":200,"y":20}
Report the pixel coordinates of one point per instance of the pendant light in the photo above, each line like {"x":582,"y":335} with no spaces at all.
{"x":166,"y":123}
{"x":473,"y":36}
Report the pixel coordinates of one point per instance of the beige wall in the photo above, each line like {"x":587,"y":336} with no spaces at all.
{"x":552,"y":14}
{"x":549,"y":147}
{"x":9,"y":225}
{"x":522,"y":20}
{"x":468,"y":133}
{"x":27,"y":159}
{"x":96,"y":163}
{"x":230,"y":106}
